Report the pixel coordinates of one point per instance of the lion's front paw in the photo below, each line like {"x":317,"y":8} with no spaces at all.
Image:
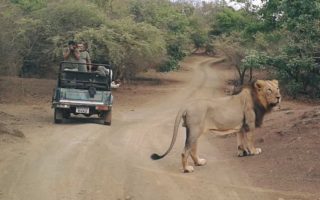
{"x":201,"y":162}
{"x":188,"y":169}
{"x":257,"y":151}
{"x":242,"y":153}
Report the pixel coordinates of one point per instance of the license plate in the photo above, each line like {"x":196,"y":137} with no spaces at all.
{"x":83,"y":110}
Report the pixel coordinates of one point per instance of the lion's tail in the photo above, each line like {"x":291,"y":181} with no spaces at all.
{"x":174,"y":137}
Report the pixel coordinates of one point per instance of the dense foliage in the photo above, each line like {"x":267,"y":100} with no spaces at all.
{"x":280,"y":36}
{"x":297,"y":60}
{"x":130,"y":35}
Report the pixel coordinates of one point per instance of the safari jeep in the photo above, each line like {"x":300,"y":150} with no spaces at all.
{"x":82,"y":93}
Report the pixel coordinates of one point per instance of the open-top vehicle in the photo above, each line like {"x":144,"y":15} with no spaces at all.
{"x":85,"y":93}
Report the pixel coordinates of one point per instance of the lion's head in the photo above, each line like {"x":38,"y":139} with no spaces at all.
{"x":267,"y":93}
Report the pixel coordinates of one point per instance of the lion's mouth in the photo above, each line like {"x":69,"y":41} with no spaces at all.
{"x":274,"y":104}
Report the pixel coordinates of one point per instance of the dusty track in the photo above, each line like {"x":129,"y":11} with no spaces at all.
{"x":82,"y":160}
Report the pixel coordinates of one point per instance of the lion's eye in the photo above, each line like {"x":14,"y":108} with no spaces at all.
{"x":269,"y":91}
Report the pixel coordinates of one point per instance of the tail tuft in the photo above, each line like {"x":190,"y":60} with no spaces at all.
{"x":156,"y":156}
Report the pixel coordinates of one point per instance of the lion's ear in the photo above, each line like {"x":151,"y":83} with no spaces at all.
{"x":259,"y":84}
{"x":276,"y":82}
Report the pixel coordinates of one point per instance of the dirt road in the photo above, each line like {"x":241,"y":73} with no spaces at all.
{"x":83,"y":160}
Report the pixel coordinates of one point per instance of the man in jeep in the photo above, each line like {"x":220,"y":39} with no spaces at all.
{"x":71,"y":54}
{"x":84,"y":58}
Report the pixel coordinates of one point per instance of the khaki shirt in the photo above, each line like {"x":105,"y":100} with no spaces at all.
{"x":71,"y":58}
{"x":84,"y":58}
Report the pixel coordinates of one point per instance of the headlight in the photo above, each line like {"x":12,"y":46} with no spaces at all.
{"x":62,"y":106}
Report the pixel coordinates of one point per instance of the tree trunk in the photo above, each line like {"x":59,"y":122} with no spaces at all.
{"x":242,"y":76}
{"x":250,"y":75}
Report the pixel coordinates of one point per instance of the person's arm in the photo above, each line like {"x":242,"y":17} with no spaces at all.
{"x":88,"y":61}
{"x":76,"y":54}
{"x":66,"y":53}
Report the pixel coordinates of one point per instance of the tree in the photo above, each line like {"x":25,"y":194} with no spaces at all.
{"x":234,"y":34}
{"x":10,"y":60}
{"x":228,"y":20}
{"x":296,"y":64}
{"x":173,"y":20}
{"x":44,"y":33}
{"x":131,"y":34}
{"x":233,"y":49}
{"x":130,"y":47}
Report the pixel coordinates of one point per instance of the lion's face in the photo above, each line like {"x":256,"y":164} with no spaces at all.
{"x":268,"y":93}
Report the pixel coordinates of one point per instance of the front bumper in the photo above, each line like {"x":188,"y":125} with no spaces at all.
{"x":71,"y":106}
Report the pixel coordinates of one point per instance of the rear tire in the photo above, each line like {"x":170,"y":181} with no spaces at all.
{"x":107,"y":115}
{"x":58,"y":116}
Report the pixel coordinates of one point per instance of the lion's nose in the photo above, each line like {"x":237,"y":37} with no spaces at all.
{"x":278,"y":98}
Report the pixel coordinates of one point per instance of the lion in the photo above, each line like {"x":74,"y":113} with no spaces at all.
{"x":240,"y":113}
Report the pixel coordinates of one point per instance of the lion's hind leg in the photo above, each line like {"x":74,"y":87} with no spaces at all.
{"x":190,"y":149}
{"x":185,"y":155}
{"x":186,"y":168}
{"x":194,"y":155}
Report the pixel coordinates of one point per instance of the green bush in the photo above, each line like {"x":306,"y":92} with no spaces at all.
{"x":293,"y":88}
{"x":30,"y":5}
{"x":169,"y":65}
